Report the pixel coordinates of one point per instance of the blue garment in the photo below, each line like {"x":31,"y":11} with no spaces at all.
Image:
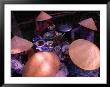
{"x":73,"y":69}
{"x":80,"y":33}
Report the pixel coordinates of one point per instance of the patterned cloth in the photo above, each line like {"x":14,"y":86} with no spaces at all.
{"x":17,"y":64}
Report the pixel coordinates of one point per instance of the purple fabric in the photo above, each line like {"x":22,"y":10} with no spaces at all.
{"x":16,"y":66}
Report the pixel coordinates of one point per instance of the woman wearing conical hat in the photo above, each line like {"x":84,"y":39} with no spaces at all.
{"x":85,"y":58}
{"x":43,"y":21}
{"x":18,"y":57}
{"x":85,"y":30}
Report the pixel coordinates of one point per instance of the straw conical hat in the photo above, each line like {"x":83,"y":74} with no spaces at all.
{"x":84,"y":54}
{"x":42,"y":64}
{"x":43,"y":16}
{"x":88,"y":23}
{"x":19,"y":45}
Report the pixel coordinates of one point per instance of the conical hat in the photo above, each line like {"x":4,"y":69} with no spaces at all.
{"x":84,"y":54}
{"x":19,"y":45}
{"x":43,"y":16}
{"x":88,"y":23}
{"x":42,"y":64}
